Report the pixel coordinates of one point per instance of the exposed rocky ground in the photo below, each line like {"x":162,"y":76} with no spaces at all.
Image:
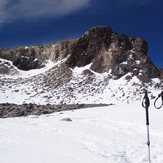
{"x":12,"y":110}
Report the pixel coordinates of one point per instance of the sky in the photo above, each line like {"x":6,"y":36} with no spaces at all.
{"x":41,"y":22}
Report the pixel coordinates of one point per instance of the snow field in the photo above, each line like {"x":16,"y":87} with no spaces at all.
{"x":113,"y":134}
{"x":38,"y":86}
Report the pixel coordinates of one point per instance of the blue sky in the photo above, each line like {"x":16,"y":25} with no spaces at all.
{"x":39,"y":22}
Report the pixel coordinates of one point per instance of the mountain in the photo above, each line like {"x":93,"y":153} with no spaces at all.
{"x":99,"y":67}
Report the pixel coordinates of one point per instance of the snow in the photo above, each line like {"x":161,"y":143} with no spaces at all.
{"x":79,"y":70}
{"x":124,"y":63}
{"x":29,"y":86}
{"x":112,"y":134}
{"x":29,"y":73}
{"x":137,"y":62}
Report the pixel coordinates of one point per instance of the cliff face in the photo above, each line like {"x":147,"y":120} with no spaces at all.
{"x":32,"y":57}
{"x":109,"y":52}
{"x":105,"y":49}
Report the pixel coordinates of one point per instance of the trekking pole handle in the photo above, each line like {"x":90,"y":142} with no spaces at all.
{"x":159,"y":96}
{"x":146,"y":104}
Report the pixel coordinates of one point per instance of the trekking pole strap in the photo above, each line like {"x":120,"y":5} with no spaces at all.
{"x":159,"y":96}
{"x":145,"y":102}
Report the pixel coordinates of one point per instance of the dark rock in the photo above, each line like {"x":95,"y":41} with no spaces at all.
{"x":161,"y":73}
{"x":12,"y":110}
{"x":90,"y":45}
{"x":124,"y":42}
{"x":24,"y":63}
{"x":140,"y":45}
{"x":66,"y":119}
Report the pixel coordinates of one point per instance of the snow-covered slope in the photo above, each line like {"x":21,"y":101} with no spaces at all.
{"x":57,"y":84}
{"x":113,"y":134}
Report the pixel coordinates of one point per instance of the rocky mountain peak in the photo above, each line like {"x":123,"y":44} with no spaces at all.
{"x":101,"y":46}
{"x":90,"y":45}
{"x":108,"y":51}
{"x":98,"y":33}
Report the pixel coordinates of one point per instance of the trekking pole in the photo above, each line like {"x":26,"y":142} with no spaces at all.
{"x":145,"y":104}
{"x":159,"y":96}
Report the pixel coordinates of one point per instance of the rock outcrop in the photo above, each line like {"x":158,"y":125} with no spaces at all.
{"x":109,"y":52}
{"x":12,"y":110}
{"x":90,"y":46}
{"x":32,"y":57}
{"x":105,"y":49}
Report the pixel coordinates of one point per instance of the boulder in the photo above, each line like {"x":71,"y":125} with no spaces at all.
{"x":66,"y":119}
